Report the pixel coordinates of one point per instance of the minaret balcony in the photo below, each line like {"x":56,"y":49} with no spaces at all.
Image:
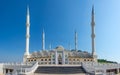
{"x":92,"y":23}
{"x":27,"y":36}
{"x":27,"y":24}
{"x":93,"y":35}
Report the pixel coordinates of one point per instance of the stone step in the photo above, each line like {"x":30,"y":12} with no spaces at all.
{"x":58,"y":74}
{"x":60,"y":70}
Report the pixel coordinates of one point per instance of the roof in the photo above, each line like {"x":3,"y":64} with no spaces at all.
{"x":70,"y":53}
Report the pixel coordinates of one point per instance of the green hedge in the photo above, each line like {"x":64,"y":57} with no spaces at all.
{"x":105,"y":61}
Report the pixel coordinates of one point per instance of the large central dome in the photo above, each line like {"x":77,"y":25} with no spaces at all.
{"x":60,"y":48}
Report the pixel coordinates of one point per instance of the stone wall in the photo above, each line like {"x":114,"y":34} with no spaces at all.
{"x":1,"y":69}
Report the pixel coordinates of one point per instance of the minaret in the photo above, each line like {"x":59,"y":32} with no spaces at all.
{"x":27,"y":31}
{"x":43,"y":40}
{"x":93,"y":32}
{"x":76,"y":41}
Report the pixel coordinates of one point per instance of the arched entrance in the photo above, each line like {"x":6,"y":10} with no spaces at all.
{"x":59,"y":59}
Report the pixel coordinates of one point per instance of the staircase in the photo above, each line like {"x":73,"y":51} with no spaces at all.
{"x":60,"y":70}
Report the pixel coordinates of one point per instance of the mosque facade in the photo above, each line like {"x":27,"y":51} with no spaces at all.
{"x":59,"y":55}
{"x":60,"y":61}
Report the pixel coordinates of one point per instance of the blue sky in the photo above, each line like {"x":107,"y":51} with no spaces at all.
{"x":59,"y":18}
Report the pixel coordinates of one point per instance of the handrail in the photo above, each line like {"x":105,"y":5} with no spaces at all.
{"x":92,"y":67}
{"x":29,"y":70}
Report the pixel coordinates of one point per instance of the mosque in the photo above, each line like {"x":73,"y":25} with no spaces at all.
{"x":60,"y":61}
{"x":59,"y":55}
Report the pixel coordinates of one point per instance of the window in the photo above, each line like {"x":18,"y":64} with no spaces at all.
{"x":73,"y":62}
{"x":49,"y":59}
{"x":53,"y":62}
{"x":39,"y":63}
{"x":45,"y":59}
{"x":41,"y":59}
{"x":65,"y":55}
{"x":53,"y":59}
{"x":53,"y":55}
{"x":84,"y":59}
{"x":66,"y":60}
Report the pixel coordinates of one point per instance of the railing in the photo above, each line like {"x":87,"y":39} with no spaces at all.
{"x":17,"y":65}
{"x":92,"y":67}
{"x":27,"y":71}
{"x":17,"y":68}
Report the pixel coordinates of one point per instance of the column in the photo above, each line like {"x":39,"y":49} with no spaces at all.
{"x":4,"y":71}
{"x":117,"y":70}
{"x":56,"y":57}
{"x":52,"y":59}
{"x":63,"y":57}
{"x":104,"y":71}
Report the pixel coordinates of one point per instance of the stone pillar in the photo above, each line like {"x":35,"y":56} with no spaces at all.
{"x":104,"y":71}
{"x":51,"y":59}
{"x":4,"y":71}
{"x":63,"y":57}
{"x":117,"y":70}
{"x":8,"y":71}
{"x":56,"y":57}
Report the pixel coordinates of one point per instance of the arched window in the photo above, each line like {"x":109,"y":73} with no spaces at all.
{"x":73,"y":59}
{"x":84,"y":59}
{"x":49,"y":59}
{"x":41,"y":59}
{"x":45,"y":59}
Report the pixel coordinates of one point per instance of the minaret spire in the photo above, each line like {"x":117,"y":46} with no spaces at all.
{"x":28,"y":17}
{"x":27,"y":31}
{"x":50,"y":47}
{"x":76,"y":40}
{"x":93,"y":32}
{"x":69,"y":46}
{"x":43,"y":40}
